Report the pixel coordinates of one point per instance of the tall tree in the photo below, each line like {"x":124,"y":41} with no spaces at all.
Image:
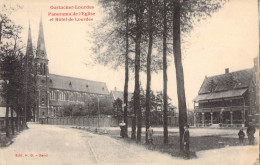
{"x":165,"y":96}
{"x":126,"y":70}
{"x":185,"y":13}
{"x":179,"y":69}
{"x":148,"y":72}
{"x":6,"y":24}
{"x":258,"y":73}
{"x":139,"y":10}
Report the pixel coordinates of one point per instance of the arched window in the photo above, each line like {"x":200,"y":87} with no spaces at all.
{"x":44,"y":69}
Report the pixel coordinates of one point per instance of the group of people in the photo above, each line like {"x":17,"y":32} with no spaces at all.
{"x":186,"y":136}
{"x":250,"y":134}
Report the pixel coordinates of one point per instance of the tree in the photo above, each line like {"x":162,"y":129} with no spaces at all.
{"x":118,"y":109}
{"x":6,"y":24}
{"x":126,"y":71}
{"x":11,"y":64}
{"x":149,"y":54}
{"x":11,"y":67}
{"x":165,"y":96}
{"x":184,"y":15}
{"x":139,"y":9}
{"x":156,"y":108}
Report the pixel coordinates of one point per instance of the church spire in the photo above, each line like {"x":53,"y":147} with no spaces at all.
{"x":29,"y":49}
{"x":41,"y":51}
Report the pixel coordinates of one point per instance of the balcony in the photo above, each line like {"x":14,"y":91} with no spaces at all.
{"x":223,"y":109}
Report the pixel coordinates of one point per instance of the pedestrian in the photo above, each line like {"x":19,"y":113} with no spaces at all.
{"x":122,"y":129}
{"x":250,"y":133}
{"x":241,"y":136}
{"x":150,"y":135}
{"x":186,"y":141}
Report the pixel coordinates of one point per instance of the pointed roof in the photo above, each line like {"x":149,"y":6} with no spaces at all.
{"x":229,"y":81}
{"x":41,"y":51}
{"x":29,"y":49}
{"x":120,"y":95}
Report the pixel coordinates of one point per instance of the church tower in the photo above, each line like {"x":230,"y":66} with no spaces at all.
{"x":41,"y":65}
{"x":29,"y":72}
{"x":29,"y":49}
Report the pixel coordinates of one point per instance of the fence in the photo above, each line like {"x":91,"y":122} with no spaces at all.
{"x":103,"y":121}
{"x":94,"y":121}
{"x":3,"y":123}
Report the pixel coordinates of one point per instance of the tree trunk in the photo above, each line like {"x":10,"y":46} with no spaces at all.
{"x":126,"y":72}
{"x":258,"y":75}
{"x":12,"y":120}
{"x":1,"y":24}
{"x":148,"y":82}
{"x":133,"y":134}
{"x":21,"y":120}
{"x":18,"y":120}
{"x":26,"y":92}
{"x":34,"y":113}
{"x":139,"y":20}
{"x":16,"y":123}
{"x":165,"y":96}
{"x":7,"y":121}
{"x":179,"y":70}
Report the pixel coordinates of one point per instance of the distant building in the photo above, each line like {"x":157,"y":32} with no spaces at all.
{"x":229,"y":99}
{"x":55,"y":91}
{"x":115,"y":94}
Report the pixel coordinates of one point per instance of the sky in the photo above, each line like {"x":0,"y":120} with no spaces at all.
{"x":228,"y":39}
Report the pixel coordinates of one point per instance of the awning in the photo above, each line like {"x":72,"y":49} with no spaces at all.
{"x":220,"y":95}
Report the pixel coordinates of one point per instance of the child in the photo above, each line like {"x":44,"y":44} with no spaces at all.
{"x":241,"y":136}
{"x":150,"y":135}
{"x":186,"y":141}
{"x":122,"y":129}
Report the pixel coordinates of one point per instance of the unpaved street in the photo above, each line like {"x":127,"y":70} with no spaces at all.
{"x":46,"y":144}
{"x":67,"y":146}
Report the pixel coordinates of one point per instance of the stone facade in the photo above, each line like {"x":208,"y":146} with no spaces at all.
{"x":55,"y":91}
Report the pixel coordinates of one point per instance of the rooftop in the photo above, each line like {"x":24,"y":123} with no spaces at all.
{"x":228,"y":81}
{"x":77,"y":84}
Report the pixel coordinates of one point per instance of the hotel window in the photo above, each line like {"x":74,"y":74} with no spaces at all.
{"x":66,"y":96}
{"x":71,"y":97}
{"x":60,"y":96}
{"x":50,"y":95}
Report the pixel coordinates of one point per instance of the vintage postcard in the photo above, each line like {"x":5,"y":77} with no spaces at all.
{"x":129,"y":82}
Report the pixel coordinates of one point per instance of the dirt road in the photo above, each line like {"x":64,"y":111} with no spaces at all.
{"x":49,"y":145}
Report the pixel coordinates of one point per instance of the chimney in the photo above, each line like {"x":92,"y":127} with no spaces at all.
{"x":115,"y":89}
{"x":226,"y":70}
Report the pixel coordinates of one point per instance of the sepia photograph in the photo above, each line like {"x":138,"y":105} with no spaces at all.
{"x":129,"y":82}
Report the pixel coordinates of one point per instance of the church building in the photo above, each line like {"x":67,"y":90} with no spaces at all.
{"x":55,"y":91}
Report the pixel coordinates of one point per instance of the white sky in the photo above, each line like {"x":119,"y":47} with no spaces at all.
{"x":229,"y":39}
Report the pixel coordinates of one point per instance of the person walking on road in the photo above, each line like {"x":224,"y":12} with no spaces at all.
{"x":150,"y":135}
{"x":241,"y":136}
{"x":186,"y":141}
{"x":122,"y":128}
{"x":250,"y":133}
